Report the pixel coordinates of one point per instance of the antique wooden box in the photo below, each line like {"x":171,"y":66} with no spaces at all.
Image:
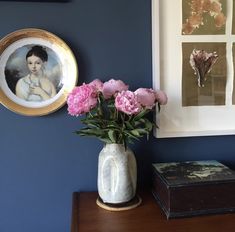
{"x":194,"y":188}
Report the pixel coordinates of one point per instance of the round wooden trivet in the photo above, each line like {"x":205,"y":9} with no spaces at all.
{"x":136,"y":201}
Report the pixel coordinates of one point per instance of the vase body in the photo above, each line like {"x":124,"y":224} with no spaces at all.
{"x":117,"y":174}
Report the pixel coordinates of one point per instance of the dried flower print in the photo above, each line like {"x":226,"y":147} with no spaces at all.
{"x":199,"y":9}
{"x":202,"y":62}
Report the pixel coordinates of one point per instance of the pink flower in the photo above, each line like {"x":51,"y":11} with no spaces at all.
{"x":146,"y":97}
{"x":126,"y":101}
{"x":81,"y":100}
{"x":112,"y":87}
{"x":161,"y":97}
{"x":97,"y":84}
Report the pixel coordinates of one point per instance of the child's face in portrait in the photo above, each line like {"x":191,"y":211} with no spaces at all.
{"x":34,"y":64}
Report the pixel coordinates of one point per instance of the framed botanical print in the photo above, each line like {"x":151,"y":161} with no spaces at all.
{"x":37,"y":71}
{"x":193,"y":62}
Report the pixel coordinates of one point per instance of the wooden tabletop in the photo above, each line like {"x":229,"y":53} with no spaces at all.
{"x":148,"y":217}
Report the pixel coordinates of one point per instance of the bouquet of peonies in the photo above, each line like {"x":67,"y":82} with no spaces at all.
{"x":113,"y":113}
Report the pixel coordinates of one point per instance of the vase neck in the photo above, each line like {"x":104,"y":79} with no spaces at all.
{"x":114,"y":145}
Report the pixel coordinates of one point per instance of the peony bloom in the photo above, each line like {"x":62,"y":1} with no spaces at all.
{"x":97,"y":84}
{"x":126,"y":102}
{"x":120,"y":117}
{"x":112,"y":87}
{"x":146,"y":97}
{"x":81,"y":100}
{"x":161,"y":97}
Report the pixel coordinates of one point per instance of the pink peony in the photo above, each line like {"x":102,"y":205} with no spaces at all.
{"x":112,"y":87}
{"x":161,"y":97}
{"x":97,"y":84}
{"x":126,"y":101}
{"x":81,"y":100}
{"x":146,"y":97}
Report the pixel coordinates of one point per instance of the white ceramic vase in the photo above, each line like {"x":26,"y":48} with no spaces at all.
{"x":117,"y":174}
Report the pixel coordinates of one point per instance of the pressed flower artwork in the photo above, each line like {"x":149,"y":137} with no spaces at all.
{"x":203,"y":17}
{"x":202,"y":62}
{"x":203,"y":74}
{"x":197,"y":66}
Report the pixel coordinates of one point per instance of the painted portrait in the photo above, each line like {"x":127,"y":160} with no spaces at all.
{"x":33,"y":73}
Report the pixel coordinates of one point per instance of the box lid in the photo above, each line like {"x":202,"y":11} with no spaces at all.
{"x":194,"y":172}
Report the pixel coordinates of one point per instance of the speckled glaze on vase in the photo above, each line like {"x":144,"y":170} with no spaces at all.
{"x":117,"y":174}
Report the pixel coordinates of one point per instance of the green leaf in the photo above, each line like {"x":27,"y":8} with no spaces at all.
{"x":90,"y":132}
{"x":140,"y":115}
{"x":129,"y":125}
{"x":112,"y":136}
{"x":135,"y":132}
{"x":142,"y":131}
{"x":104,"y":140}
{"x":148,"y":125}
{"x":131,"y":136}
{"x":159,"y":107}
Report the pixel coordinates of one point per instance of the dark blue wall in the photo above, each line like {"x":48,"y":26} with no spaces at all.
{"x":41,"y":161}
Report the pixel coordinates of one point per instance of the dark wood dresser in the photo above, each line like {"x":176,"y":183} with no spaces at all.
{"x":148,"y":217}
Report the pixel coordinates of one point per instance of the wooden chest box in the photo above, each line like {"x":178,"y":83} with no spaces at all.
{"x":194,"y":188}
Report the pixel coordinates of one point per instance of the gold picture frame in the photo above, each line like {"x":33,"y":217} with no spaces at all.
{"x":20,"y":90}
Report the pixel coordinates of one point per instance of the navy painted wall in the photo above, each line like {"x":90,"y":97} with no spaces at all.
{"x":41,"y":161}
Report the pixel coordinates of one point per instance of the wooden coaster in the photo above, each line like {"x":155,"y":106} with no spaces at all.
{"x":136,"y":201}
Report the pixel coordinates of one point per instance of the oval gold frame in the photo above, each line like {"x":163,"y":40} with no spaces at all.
{"x":45,"y":35}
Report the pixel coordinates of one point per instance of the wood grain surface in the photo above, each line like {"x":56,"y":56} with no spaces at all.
{"x":148,"y":217}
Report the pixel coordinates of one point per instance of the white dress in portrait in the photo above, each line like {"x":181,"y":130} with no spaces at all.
{"x":25,"y":86}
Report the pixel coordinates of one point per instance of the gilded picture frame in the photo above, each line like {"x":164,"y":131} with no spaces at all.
{"x":37,"y":72}
{"x":193,"y":51}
